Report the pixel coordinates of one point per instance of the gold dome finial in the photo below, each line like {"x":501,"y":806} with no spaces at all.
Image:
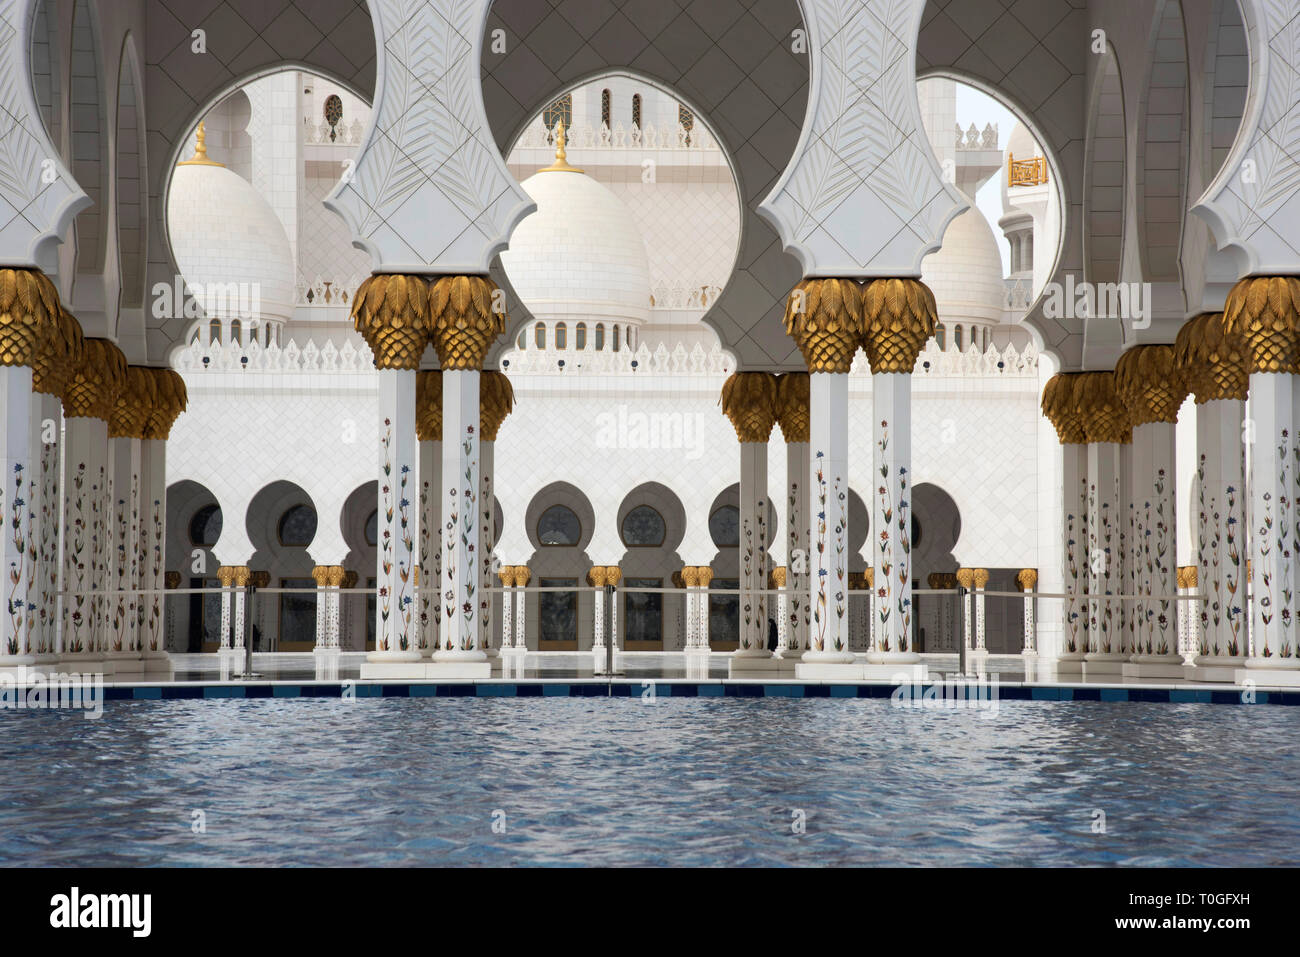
{"x":561,"y":164}
{"x":200,"y":157}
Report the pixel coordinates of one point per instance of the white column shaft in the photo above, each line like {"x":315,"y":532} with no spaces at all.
{"x":828,"y":515}
{"x":1272,"y":522}
{"x":891,"y":398}
{"x":85,"y":469}
{"x":430,"y":544}
{"x":17,"y":498}
{"x":460,"y":510}
{"x":798,"y":552}
{"x":754,"y":506}
{"x":396,"y":632}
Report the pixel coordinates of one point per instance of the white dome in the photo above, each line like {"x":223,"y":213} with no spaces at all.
{"x":222,"y":231}
{"x":579,"y":255}
{"x":965,"y":275}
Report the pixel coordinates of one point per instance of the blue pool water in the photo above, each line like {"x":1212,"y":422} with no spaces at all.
{"x":672,"y":782}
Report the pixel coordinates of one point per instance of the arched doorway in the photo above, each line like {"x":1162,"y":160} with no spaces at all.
{"x":652,"y":524}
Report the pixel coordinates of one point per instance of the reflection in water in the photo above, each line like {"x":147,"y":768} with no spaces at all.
{"x":649,"y":780}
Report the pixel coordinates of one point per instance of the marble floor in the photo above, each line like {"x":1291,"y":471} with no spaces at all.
{"x":631,"y":666}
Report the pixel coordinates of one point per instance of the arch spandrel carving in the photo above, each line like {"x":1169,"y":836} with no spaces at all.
{"x":864,"y":194}
{"x":37,"y":192}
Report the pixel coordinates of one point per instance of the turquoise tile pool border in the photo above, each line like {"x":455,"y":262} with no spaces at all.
{"x":674,"y":688}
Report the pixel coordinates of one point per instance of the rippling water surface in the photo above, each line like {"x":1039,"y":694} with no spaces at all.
{"x":670,"y":782}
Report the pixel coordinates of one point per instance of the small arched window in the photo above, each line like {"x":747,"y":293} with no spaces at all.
{"x":205,"y":526}
{"x":724,"y":526}
{"x":268,"y":334}
{"x":559,"y":525}
{"x":604,"y":108}
{"x":600,"y":336}
{"x":522,"y":341}
{"x":616,"y":340}
{"x":580,"y":336}
{"x":372,"y":528}
{"x":214,"y":331}
{"x":940,"y":335}
{"x":956,"y":338}
{"x":237,"y":332}
{"x":629,"y":337}
{"x":297,"y":526}
{"x":636,"y":110}
{"x":561,"y":109}
{"x":561,"y":336}
{"x":643,"y":527}
{"x":539,"y":335}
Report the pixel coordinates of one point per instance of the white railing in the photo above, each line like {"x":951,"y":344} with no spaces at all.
{"x":972,"y":362}
{"x":684,"y":295}
{"x":642,"y":361}
{"x":254,"y":357}
{"x":973,"y":139}
{"x":647,"y":137}
{"x":345,"y":134}
{"x":327,"y":292}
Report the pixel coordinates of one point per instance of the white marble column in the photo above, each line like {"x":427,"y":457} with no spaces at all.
{"x":797,"y":618}
{"x":596,"y":578}
{"x":226,"y":576}
{"x":1272,"y":522}
{"x":46,"y":444}
{"x":168,"y":401}
{"x":85,"y":463}
{"x":1075,"y":618}
{"x":430,"y":540}
{"x":506,"y":575}
{"x":396,"y":631}
{"x":460,"y":509}
{"x":486,"y":529}
{"x":703,"y":577}
{"x":981,"y":582}
{"x":828,"y":514}
{"x":1105,"y":570}
{"x":754,"y":505}
{"x":892,"y":423}
{"x":780,"y":581}
{"x":522,"y":575}
{"x":17,"y":496}
{"x":1153,"y":490}
{"x":1221,"y":534}
{"x":123,"y":520}
{"x":1027,"y":578}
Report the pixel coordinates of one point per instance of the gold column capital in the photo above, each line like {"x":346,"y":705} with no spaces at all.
{"x":1188,"y":576}
{"x":171,"y":580}
{"x":260,"y":579}
{"x":1150,"y":383}
{"x":981,"y":577}
{"x":703,"y":575}
{"x":677,"y":580}
{"x":428,"y":405}
{"x":522,"y":574}
{"x":792,"y":397}
{"x":507,"y":575}
{"x":94,"y":385}
{"x":596,"y":576}
{"x":133,"y":405}
{"x":1215,"y":363}
{"x":243,"y":574}
{"x":691,"y":576}
{"x":321,"y":575}
{"x":900,"y":315}
{"x":336,"y":575}
{"x":350,"y":578}
{"x":966,"y":577}
{"x":463,"y":321}
{"x":870,"y":577}
{"x":777,"y":577}
{"x":170,"y":400}
{"x":57,"y":362}
{"x":1061,"y":406}
{"x":226,"y":575}
{"x":613,"y":574}
{"x":824,"y":317}
{"x":1265,"y":312}
{"x":29,"y":312}
{"x":749,"y":401}
{"x":496,"y":399}
{"x":1027,"y":578}
{"x":935,"y":580}
{"x":391,"y":311}
{"x":1104,"y":414}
